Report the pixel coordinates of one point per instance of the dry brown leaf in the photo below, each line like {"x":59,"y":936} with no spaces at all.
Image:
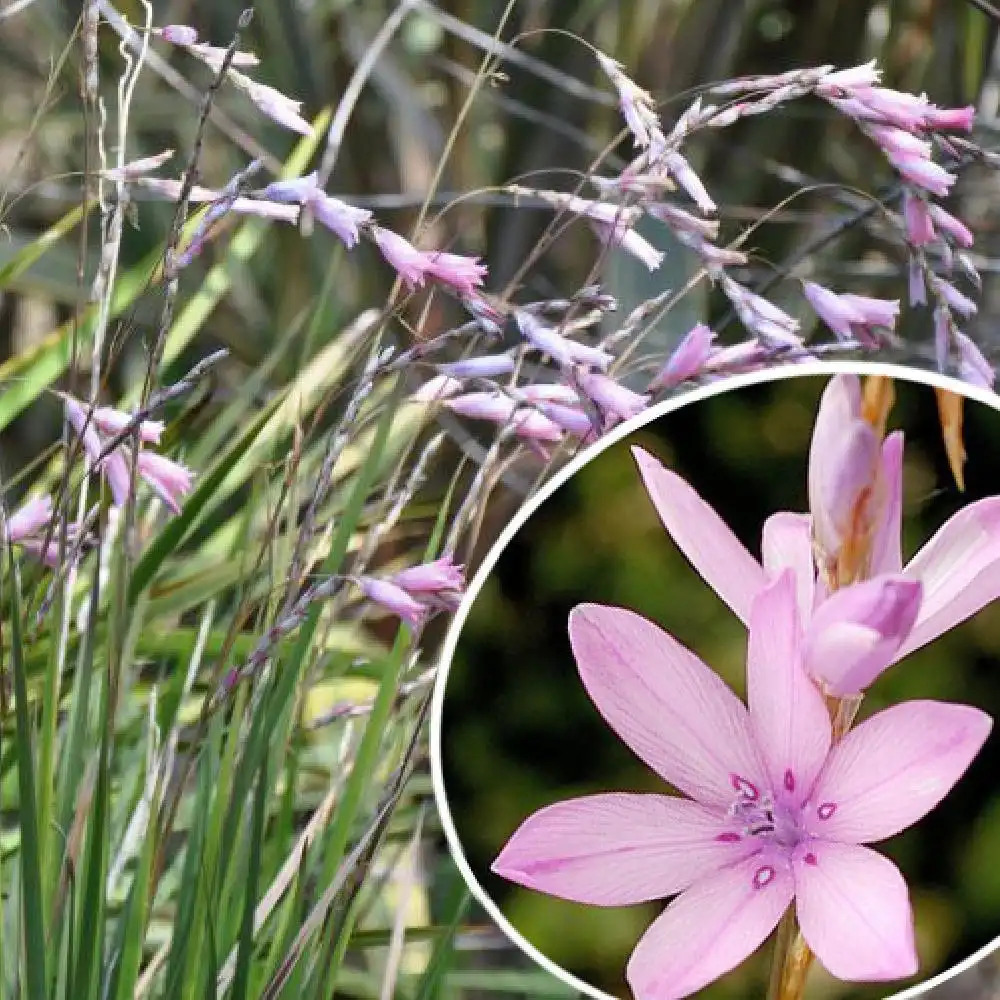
{"x":950,"y":411}
{"x":877,"y":399}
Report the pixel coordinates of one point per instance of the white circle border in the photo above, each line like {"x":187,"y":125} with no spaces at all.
{"x":584,"y":457}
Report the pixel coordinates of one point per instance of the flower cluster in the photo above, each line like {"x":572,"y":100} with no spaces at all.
{"x":98,"y":429}
{"x":414,"y":594}
{"x":779,"y":798}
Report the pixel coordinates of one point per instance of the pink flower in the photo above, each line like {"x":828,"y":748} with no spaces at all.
{"x":857,"y":631}
{"x":277,"y":106}
{"x":687,"y":359}
{"x":846,"y":491}
{"x":340,"y":218}
{"x":562,"y":350}
{"x":923,"y":173}
{"x":438,"y":584}
{"x":851,"y":317}
{"x":413,"y":265}
{"x":485,"y":366}
{"x":178,"y":34}
{"x":637,"y":106}
{"x":628,"y":240}
{"x":571,"y":419}
{"x":689,"y":181}
{"x":464,"y":274}
{"x":112,"y":422}
{"x":771,"y":812}
{"x":919,"y":224}
{"x":432,"y":577}
{"x":972,"y":365}
{"x":960,"y":119}
{"x":33,"y":517}
{"x":955,"y":228}
{"x":407,"y":261}
{"x":615,"y":402}
{"x":959,"y":568}
{"x":394,"y":599}
{"x":774,"y":326}
{"x":962,"y":304}
{"x":438,"y":388}
{"x":170,"y":480}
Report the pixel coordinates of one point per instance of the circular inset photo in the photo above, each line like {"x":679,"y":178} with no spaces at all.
{"x":716,"y":718}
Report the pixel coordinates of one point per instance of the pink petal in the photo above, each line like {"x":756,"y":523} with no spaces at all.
{"x":704,"y":538}
{"x":672,"y":711}
{"x":708,"y":930}
{"x":619,"y":849}
{"x":854,"y":912}
{"x":786,"y":542}
{"x":790,"y":719}
{"x":960,"y":570}
{"x":885,"y":552}
{"x":893,"y":769}
{"x":857,"y":631}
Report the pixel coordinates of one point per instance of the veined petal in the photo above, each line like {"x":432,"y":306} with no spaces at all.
{"x":709,"y":929}
{"x":886,"y":555}
{"x":856,"y":632}
{"x":704,"y":538}
{"x":854,"y":911}
{"x":787,"y":542}
{"x":618,"y":849}
{"x":893,"y":769}
{"x":789,"y":717}
{"x":672,"y":710}
{"x":960,"y":570}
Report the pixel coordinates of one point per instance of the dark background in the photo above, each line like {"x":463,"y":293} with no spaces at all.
{"x":519,"y":731}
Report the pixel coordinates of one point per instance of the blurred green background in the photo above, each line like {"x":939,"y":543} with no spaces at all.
{"x":519,"y":732}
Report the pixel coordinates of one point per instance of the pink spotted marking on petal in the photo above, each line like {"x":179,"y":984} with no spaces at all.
{"x":826,"y":810}
{"x":811,"y":859}
{"x":789,"y":780}
{"x":729,"y":838}
{"x":746,"y":788}
{"x":763,"y":876}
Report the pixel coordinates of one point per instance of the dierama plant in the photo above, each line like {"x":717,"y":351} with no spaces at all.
{"x":780,"y":799}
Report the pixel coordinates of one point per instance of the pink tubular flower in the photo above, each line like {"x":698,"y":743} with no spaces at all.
{"x":962,"y":304}
{"x":615,"y":402}
{"x":773,"y":325}
{"x":848,"y":476}
{"x":687,"y":359}
{"x":852,"y":317}
{"x":340,"y":218}
{"x":630,"y":241}
{"x":438,"y":584}
{"x":637,"y":106}
{"x":432,"y":577}
{"x":407,"y":261}
{"x":562,"y":350}
{"x":972,"y":365}
{"x":394,"y":599}
{"x":770,"y":811}
{"x":170,"y":480}
{"x":112,"y":422}
{"x":917,"y":216}
{"x":955,"y":228}
{"x":463,"y":274}
{"x":689,"y":181}
{"x":178,"y":34}
{"x":30,"y":519}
